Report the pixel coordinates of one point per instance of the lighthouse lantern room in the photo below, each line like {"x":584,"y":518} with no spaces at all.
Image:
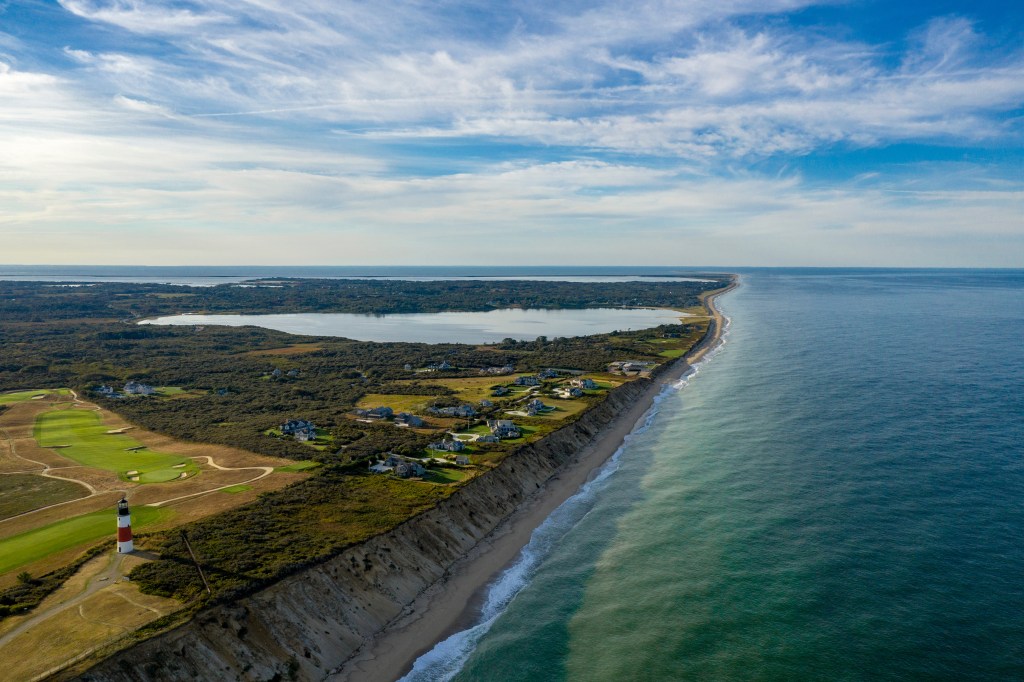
{"x":124,"y":528}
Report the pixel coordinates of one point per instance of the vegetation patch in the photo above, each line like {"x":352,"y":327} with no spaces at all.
{"x":282,"y":532}
{"x":30,"y":590}
{"x":83,"y":438}
{"x":39,"y":543}
{"x":304,"y":465}
{"x":235,"y":489}
{"x":20,"y":493}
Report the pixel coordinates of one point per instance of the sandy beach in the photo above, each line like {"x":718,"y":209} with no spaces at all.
{"x":453,"y":604}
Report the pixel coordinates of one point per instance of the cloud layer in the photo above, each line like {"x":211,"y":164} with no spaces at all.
{"x":558,"y":129}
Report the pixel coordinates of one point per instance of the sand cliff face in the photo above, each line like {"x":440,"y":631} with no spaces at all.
{"x":309,"y":624}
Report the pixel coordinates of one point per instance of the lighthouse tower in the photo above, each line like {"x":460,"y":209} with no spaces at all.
{"x":124,"y":528}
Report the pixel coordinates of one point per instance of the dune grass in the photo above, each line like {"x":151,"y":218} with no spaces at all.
{"x":39,"y":543}
{"x":89,"y":444}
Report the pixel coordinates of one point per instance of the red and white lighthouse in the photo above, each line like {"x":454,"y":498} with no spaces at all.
{"x":124,"y":528}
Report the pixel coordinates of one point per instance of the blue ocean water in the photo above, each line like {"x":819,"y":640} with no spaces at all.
{"x":837,"y":495}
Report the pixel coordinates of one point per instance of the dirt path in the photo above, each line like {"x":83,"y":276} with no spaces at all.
{"x":105,"y":578}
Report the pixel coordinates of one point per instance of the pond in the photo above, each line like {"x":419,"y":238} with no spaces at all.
{"x":447,"y":327}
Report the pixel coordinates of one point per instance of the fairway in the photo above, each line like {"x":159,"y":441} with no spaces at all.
{"x":89,"y":444}
{"x":19,"y":550}
{"x":21,"y":396}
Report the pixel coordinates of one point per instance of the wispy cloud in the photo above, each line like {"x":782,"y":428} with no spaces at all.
{"x":462,"y":123}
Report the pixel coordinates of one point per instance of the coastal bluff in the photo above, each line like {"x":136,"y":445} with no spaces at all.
{"x":309,"y":624}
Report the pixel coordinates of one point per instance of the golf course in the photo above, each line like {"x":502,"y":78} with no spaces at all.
{"x":81,"y":437}
{"x":38,"y":543}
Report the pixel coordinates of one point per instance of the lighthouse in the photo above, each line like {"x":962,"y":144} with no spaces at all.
{"x":124,"y":528}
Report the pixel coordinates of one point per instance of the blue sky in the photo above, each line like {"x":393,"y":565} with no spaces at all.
{"x":742,"y":132}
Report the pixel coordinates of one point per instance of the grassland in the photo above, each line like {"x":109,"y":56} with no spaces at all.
{"x":21,"y":396}
{"x":24,"y":548}
{"x":304,"y":465}
{"x":89,"y":444}
{"x":20,"y":493}
{"x":235,"y":489}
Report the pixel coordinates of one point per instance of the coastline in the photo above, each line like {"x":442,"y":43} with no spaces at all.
{"x":453,"y":603}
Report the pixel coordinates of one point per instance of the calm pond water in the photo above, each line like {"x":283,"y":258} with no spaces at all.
{"x":481,"y":327}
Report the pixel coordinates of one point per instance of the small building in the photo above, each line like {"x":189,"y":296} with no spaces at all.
{"x":527,"y":380}
{"x":404,"y":467}
{"x":500,"y":391}
{"x":440,"y":366}
{"x":276,"y":373}
{"x":135,"y":388}
{"x":293,"y":372}
{"x":575,"y":392}
{"x":407,"y":367}
{"x":535,"y":406}
{"x":300,"y":429}
{"x":462,"y":460}
{"x":488,"y":438}
{"x":463,"y":411}
{"x":104,"y":390}
{"x":486,"y":403}
{"x":585,"y":384}
{"x":406,"y":419}
{"x":503,"y":428}
{"x":547,"y":373}
{"x":379,"y":467}
{"x":448,"y":446}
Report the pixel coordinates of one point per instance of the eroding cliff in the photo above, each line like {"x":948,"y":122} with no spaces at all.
{"x":309,"y":624}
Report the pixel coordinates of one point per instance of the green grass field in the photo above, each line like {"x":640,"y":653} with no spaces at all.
{"x":21,"y":396}
{"x":91,"y":445}
{"x":20,"y":493}
{"x":19,"y":550}
{"x":235,"y":489}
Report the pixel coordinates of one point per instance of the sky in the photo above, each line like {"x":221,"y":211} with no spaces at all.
{"x":440,"y":132}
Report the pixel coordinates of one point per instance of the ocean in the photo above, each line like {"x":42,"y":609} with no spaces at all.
{"x":836,"y":494}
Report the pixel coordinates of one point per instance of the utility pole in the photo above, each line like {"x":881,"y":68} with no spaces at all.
{"x":196,"y":561}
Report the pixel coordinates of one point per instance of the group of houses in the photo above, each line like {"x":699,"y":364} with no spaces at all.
{"x":527,"y":380}
{"x":130,"y":388}
{"x":277,"y":373}
{"x":505,"y":369}
{"x":299,"y":429}
{"x":463,"y":411}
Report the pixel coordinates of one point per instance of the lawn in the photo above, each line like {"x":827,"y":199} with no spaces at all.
{"x":398,"y":403}
{"x":91,"y":445}
{"x":20,"y":493}
{"x":446,"y":475}
{"x":21,"y":396}
{"x":563,"y":408}
{"x":33,"y":545}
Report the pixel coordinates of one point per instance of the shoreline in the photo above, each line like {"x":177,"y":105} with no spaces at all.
{"x":453,"y":603}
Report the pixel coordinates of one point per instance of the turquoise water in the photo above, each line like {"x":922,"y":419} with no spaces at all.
{"x":837,"y":495}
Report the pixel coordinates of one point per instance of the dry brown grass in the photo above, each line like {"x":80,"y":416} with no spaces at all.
{"x":294,"y":349}
{"x":100,"y":619}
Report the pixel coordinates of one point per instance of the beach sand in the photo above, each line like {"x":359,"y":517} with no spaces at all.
{"x":453,"y":604}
